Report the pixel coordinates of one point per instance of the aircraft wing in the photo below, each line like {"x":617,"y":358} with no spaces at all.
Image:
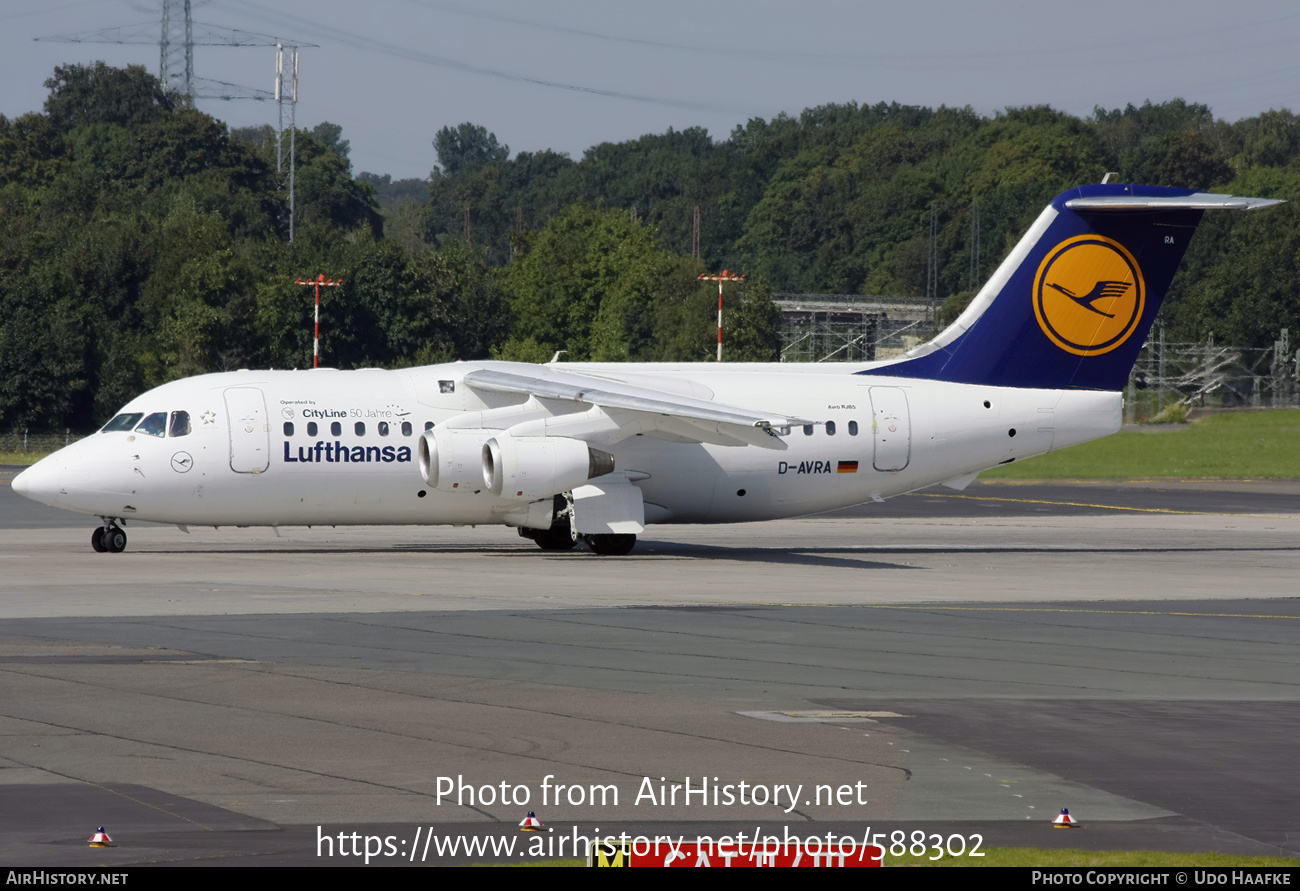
{"x":668,"y":415}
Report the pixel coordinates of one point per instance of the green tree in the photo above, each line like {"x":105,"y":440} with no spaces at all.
{"x":1244,"y":292}
{"x":327,"y":192}
{"x":32,"y":151}
{"x":101,"y":94}
{"x":466,"y":149}
{"x":331,"y":136}
{"x":1270,"y":140}
{"x":589,"y":284}
{"x":751,"y":322}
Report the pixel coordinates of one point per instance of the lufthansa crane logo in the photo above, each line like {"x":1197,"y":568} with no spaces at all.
{"x":1089,"y":295}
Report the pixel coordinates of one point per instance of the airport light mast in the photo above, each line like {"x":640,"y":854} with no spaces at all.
{"x":320,"y":282}
{"x":725,"y":276}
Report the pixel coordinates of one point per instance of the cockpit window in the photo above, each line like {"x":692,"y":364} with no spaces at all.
{"x":154,"y":425}
{"x":124,"y":421}
{"x":180,"y":425}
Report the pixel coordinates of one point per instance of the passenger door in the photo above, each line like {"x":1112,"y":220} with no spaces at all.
{"x":250,"y":434}
{"x":891,"y":428}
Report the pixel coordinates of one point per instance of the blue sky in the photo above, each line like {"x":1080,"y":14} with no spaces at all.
{"x":569,"y":74}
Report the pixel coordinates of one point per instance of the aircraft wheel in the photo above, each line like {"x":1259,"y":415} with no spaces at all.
{"x":553,"y":540}
{"x":115,"y":539}
{"x":611,"y":545}
{"x":97,"y":540}
{"x":557,"y":538}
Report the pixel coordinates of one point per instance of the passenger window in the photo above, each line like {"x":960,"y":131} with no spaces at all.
{"x":154,"y":425}
{"x":360,"y":428}
{"x":853,"y":428}
{"x":288,"y":428}
{"x":446,"y":386}
{"x":180,"y":425}
{"x":126,"y":421}
{"x":407,"y":429}
{"x":312,"y":428}
{"x":336,"y":428}
{"x":428,"y":425}
{"x":383,"y":428}
{"x":830,"y":428}
{"x":807,"y":429}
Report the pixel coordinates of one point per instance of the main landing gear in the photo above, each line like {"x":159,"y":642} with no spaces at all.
{"x":611,"y":545}
{"x":560,"y":536}
{"x":110,"y":537}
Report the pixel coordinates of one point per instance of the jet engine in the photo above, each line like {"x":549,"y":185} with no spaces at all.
{"x":536,"y":466}
{"x":449,"y":459}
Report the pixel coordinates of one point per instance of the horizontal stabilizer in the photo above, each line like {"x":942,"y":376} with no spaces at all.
{"x":1196,"y":201}
{"x":1071,"y":305}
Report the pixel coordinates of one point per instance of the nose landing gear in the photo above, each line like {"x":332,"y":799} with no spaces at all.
{"x":110,"y":537}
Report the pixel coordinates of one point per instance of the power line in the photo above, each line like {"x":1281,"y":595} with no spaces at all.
{"x":180,"y":34}
{"x":356,"y":41}
{"x":293,"y":122}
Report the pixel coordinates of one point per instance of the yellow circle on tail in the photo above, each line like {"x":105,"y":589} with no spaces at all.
{"x":1089,"y":295}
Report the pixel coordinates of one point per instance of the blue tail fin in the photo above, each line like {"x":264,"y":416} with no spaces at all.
{"x":1071,"y":306}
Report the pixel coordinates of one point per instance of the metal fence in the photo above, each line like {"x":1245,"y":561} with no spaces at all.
{"x":1207,"y":375}
{"x":855,"y":328}
{"x":26,"y":442}
{"x":852,"y":327}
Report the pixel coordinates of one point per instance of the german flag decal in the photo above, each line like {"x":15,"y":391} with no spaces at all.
{"x":846,"y":467}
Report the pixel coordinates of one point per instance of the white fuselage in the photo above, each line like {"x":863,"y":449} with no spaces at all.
{"x":335,"y":447}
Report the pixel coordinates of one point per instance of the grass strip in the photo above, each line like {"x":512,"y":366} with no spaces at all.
{"x":1264,"y":444}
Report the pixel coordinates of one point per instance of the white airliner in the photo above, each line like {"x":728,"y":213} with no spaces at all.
{"x":595,"y":452}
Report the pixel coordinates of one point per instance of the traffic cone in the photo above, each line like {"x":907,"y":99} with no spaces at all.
{"x":100,"y":839}
{"x":1064,"y":820}
{"x":530,"y":823}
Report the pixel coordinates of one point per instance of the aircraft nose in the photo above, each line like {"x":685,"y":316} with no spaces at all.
{"x":40,"y":482}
